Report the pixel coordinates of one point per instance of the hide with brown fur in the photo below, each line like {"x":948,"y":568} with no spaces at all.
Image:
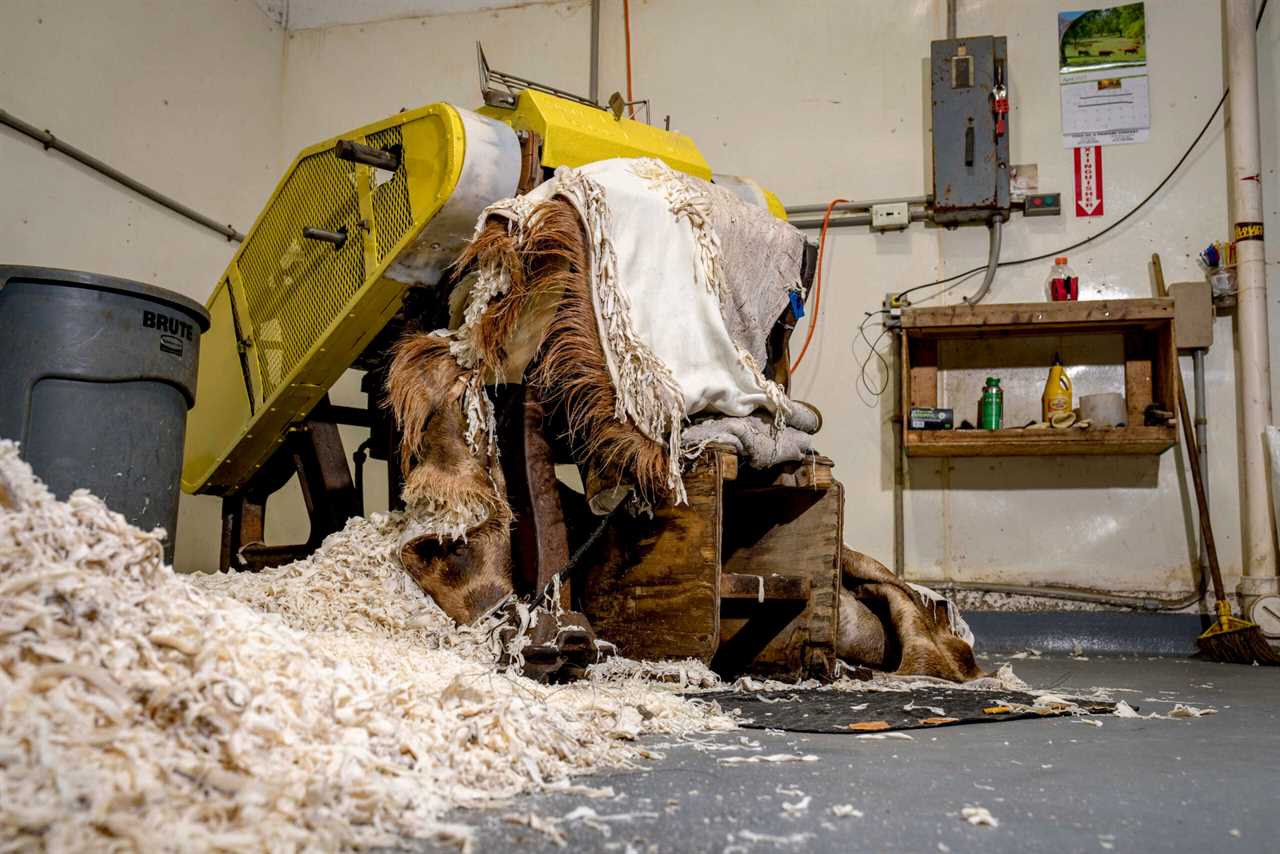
{"x":888,"y":626}
{"x":458,"y":549}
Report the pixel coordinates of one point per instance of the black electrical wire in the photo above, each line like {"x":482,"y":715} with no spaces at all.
{"x":1121,"y":221}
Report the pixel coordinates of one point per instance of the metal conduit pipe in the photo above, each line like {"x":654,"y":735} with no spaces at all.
{"x":594,"y":92}
{"x":792,"y":210}
{"x":916,"y":213}
{"x":48,"y":140}
{"x":1202,"y":436}
{"x":993,"y":261}
{"x":951,"y":19}
{"x":1071,"y":594}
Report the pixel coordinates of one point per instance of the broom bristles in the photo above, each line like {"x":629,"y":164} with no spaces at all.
{"x":1244,"y":644}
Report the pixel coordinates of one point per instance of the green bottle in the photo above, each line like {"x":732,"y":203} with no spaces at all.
{"x":991,"y":405}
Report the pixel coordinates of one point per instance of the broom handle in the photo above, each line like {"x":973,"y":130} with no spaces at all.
{"x":1193,"y":455}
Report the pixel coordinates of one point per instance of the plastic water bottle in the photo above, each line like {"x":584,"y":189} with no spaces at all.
{"x":1063,"y":284}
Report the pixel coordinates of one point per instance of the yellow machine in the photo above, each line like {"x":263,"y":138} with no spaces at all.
{"x":297,"y":304}
{"x":356,"y":222}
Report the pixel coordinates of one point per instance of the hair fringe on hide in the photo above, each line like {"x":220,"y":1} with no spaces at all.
{"x":425,"y":387}
{"x":571,"y":371}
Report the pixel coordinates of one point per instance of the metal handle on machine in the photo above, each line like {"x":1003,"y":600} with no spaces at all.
{"x":337,"y":238}
{"x":379,"y":158}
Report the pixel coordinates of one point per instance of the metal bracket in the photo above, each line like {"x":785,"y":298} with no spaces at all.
{"x":501,"y":89}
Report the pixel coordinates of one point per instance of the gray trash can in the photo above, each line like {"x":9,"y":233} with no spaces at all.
{"x":96,"y":377}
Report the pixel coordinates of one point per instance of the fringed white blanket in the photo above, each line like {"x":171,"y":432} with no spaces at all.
{"x":682,"y":321}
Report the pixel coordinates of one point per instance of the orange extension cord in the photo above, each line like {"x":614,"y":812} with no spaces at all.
{"x":817,"y":283}
{"x":626,"y":23}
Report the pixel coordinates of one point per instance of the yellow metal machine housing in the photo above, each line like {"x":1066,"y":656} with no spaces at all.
{"x":290,"y":314}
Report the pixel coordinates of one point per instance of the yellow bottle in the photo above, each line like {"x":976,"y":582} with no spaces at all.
{"x":1057,"y":391}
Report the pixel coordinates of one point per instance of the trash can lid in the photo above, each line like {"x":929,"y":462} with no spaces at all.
{"x":97,"y":281}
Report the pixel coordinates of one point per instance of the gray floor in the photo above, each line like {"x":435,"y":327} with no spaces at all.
{"x":1205,"y":785}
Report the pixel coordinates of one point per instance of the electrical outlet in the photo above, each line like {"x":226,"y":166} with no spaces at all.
{"x":891,"y":217}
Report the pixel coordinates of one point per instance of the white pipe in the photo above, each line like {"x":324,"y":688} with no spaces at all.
{"x":1244,"y":137}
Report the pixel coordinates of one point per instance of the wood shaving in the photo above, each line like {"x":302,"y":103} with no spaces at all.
{"x":791,"y":839}
{"x":800,"y":806}
{"x":322,"y":705}
{"x":979,"y":817}
{"x":776,"y":757}
{"x":542,"y":824}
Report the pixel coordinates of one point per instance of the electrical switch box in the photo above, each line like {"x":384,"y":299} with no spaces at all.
{"x":1192,"y":315}
{"x":890,"y":217}
{"x":969,"y":92}
{"x":1042,"y":204}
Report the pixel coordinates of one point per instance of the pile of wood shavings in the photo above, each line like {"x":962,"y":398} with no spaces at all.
{"x":323,"y":705}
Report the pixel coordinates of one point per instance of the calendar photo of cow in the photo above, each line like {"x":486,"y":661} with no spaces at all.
{"x":1102,"y":38}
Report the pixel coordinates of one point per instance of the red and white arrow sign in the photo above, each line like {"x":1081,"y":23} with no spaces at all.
{"x":1089,"y":181}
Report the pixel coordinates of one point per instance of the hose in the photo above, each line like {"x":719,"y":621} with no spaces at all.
{"x":996,"y":227}
{"x":817,"y":284}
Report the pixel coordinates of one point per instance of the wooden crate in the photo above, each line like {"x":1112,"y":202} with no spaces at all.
{"x":744,"y":577}
{"x":1150,"y":360}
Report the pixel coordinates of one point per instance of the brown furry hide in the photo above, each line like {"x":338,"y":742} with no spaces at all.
{"x":572,"y":372}
{"x":464,"y":563}
{"x":549,"y":262}
{"x":886,"y":625}
{"x":459,"y":553}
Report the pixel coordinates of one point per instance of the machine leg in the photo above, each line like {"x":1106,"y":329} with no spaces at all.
{"x":316,"y":455}
{"x":539,"y":538}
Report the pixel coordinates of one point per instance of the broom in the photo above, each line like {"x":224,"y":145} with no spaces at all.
{"x":1230,"y":639}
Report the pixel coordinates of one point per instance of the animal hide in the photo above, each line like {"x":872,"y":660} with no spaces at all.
{"x":457,"y":546}
{"x":639,"y":245}
{"x":887,"y":624}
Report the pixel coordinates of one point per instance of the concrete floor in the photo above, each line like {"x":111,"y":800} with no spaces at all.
{"x":1204,"y":785}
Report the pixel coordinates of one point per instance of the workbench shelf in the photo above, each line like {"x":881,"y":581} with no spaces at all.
{"x":1150,"y":360}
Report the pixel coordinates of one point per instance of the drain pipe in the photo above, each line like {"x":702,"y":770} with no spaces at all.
{"x":1244,"y":137}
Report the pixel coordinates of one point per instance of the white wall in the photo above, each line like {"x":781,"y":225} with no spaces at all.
{"x":828,"y":98}
{"x":815,"y":99}
{"x":184,"y":97}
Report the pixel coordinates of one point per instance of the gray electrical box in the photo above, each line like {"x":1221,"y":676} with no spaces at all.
{"x":969,"y":83}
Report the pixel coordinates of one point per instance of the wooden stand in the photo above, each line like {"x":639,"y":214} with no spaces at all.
{"x":744,"y":577}
{"x":1150,"y":360}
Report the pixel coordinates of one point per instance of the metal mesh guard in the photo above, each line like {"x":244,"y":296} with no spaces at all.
{"x":295,"y":287}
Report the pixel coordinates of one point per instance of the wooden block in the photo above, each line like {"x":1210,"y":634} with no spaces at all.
{"x":814,"y":472}
{"x":656,"y":591}
{"x":1034,"y":318}
{"x":792,"y":532}
{"x":1013,"y":442}
{"x":1139,"y":371}
{"x":920,"y":379}
{"x":1193,"y":314}
{"x":765,"y":589}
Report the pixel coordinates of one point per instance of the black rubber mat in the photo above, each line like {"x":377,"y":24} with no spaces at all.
{"x":858,"y":712}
